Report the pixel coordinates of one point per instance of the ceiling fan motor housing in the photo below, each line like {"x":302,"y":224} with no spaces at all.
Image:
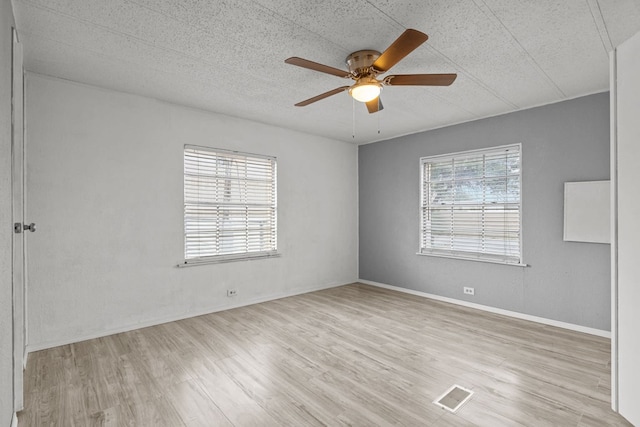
{"x":360,"y":62}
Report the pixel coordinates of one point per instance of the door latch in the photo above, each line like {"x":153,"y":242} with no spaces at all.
{"x":18,"y":227}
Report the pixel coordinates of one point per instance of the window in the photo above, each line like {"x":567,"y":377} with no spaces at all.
{"x":229,"y":205}
{"x":471,"y":205}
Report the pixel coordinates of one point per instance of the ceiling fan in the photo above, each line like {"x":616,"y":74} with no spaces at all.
{"x":365,"y":66}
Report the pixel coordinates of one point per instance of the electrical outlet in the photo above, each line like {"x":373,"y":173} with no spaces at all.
{"x":232,"y":292}
{"x":469,"y":291}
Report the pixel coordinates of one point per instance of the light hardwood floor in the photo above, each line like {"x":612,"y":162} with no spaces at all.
{"x":352,"y":355}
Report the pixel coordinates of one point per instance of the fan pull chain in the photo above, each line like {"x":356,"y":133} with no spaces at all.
{"x":353,"y":121}
{"x":378,"y":115}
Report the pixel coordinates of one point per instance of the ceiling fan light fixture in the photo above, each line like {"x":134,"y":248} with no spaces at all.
{"x":366,"y":65}
{"x":366,"y":89}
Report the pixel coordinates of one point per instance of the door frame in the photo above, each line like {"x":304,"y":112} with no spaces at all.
{"x":625,"y":345}
{"x":18,"y":240}
{"x":614,"y":227}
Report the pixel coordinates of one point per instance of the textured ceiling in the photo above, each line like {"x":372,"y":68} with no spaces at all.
{"x":228,"y":56}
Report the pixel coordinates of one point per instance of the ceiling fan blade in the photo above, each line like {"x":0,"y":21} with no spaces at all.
{"x":420,"y":80}
{"x":305,"y":63}
{"x":404,"y":45}
{"x":374,"y":105}
{"x":322,"y":96}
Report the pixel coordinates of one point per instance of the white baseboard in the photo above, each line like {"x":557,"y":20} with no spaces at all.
{"x":14,"y":420}
{"x":550,"y":322}
{"x":50,"y":344}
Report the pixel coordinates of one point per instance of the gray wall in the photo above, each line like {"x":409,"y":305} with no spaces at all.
{"x":566,"y":281}
{"x":6,"y":344}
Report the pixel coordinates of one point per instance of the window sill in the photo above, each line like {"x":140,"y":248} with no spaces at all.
{"x":225,"y":259}
{"x":490,"y":261}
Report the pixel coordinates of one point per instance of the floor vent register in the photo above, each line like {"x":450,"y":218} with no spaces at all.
{"x":454,"y":398}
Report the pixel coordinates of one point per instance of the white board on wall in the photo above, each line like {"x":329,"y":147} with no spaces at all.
{"x":587,"y":211}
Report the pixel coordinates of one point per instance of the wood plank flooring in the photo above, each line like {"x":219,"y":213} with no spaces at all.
{"x":353,"y":355}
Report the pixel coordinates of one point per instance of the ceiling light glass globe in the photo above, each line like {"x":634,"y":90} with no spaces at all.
{"x":365,"y":91}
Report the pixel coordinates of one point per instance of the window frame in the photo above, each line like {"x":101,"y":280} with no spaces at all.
{"x":471,"y":256}
{"x":230,"y":257}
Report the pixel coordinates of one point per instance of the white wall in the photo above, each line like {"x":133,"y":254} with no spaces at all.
{"x":104,"y":185}
{"x":6,"y":326}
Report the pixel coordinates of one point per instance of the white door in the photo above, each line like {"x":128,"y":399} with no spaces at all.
{"x":625,"y":249}
{"x":17,"y":149}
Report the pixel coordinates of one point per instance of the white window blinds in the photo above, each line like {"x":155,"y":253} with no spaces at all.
{"x":229,"y":204}
{"x":471,"y":205}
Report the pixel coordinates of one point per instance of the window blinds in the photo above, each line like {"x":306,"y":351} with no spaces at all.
{"x":471,"y":205}
{"x":229,"y":204}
